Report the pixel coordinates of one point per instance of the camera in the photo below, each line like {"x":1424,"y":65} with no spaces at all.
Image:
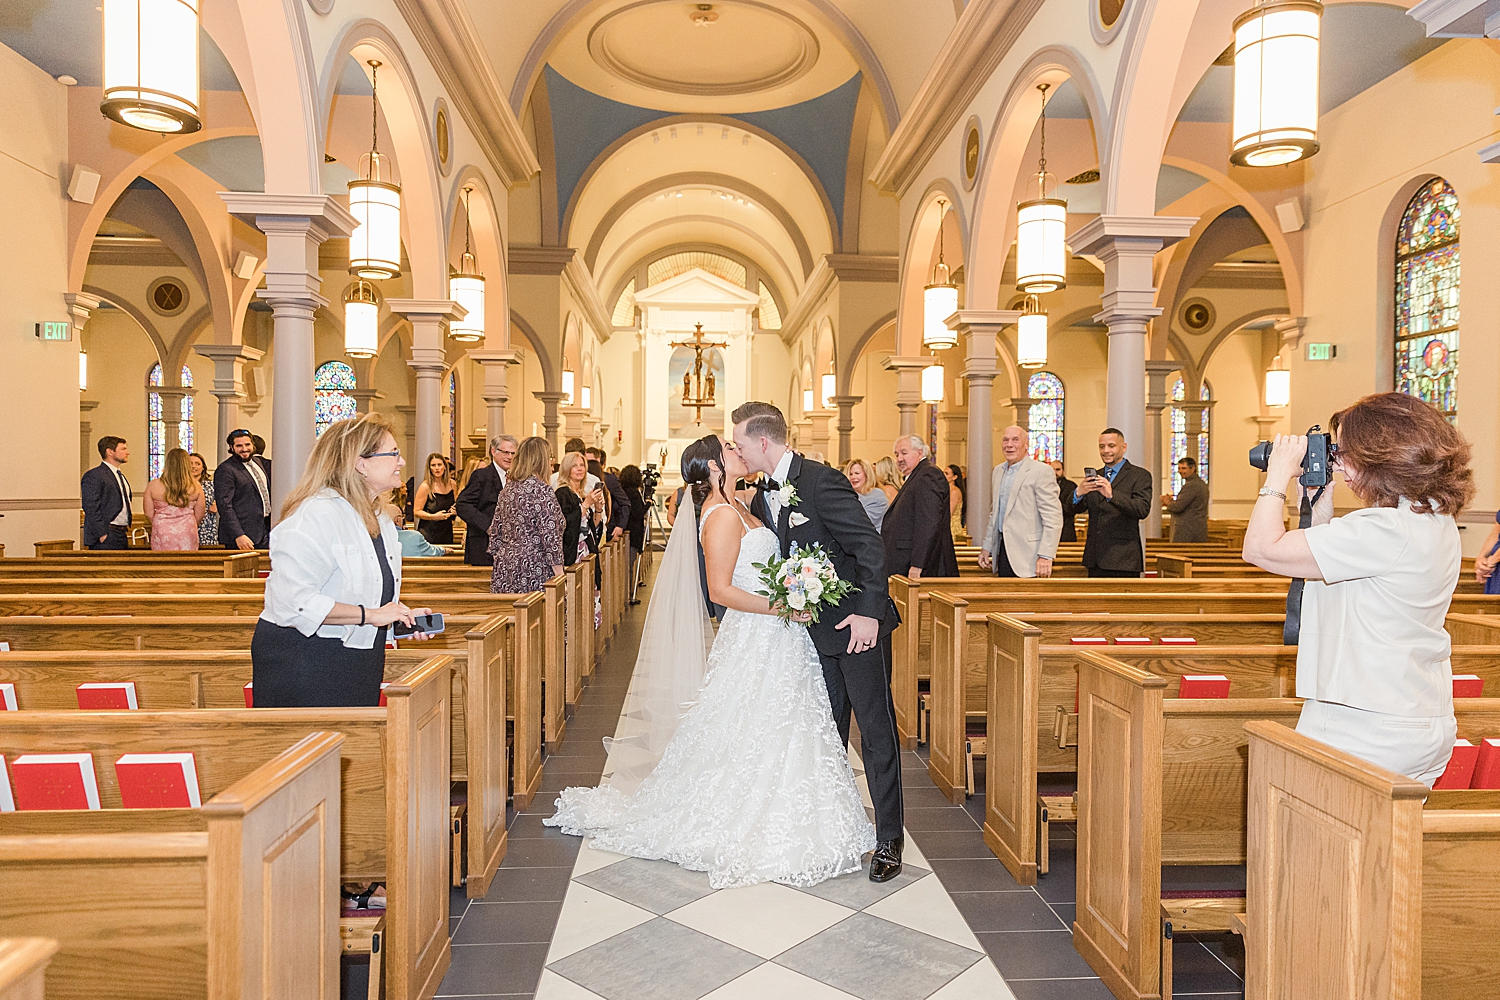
{"x":650,"y":476}
{"x":1317,"y":464}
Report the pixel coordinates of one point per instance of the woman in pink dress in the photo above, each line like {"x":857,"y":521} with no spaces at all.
{"x":175,"y":505}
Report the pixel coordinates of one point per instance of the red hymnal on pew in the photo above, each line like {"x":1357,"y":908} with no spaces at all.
{"x":1487,"y":767}
{"x":1460,"y":770}
{"x":250,"y":695}
{"x":1468,"y":686}
{"x":7,"y":697}
{"x":7,"y":803}
{"x":383,"y":686}
{"x":107,"y":694}
{"x":1203,"y":686}
{"x":54,"y":781}
{"x":1089,"y":640}
{"x":158,"y":781}
{"x":1170,"y":640}
{"x":1133,"y":640}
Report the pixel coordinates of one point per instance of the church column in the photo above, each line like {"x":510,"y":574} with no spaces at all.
{"x":171,"y":413}
{"x":549,"y":417}
{"x":229,"y":387}
{"x":1128,"y":245}
{"x":572,"y":421}
{"x":429,"y":320}
{"x":818,"y":437}
{"x":977,"y":330}
{"x":494,"y":391}
{"x":294,"y":225}
{"x":908,"y":391}
{"x":409,"y":437}
{"x":845,"y":427}
{"x":364,"y":399}
{"x":1156,"y":401}
{"x":88,"y":455}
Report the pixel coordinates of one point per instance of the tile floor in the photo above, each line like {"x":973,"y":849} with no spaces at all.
{"x":565,"y":922}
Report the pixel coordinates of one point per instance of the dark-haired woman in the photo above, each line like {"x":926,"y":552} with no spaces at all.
{"x":633,"y":483}
{"x":1373,"y":655}
{"x":958,"y":500}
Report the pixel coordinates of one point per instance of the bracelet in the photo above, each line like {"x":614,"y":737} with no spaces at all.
{"x":1266,"y":491}
{"x":361,"y":614}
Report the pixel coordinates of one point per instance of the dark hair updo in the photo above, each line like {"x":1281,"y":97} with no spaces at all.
{"x":695,"y":473}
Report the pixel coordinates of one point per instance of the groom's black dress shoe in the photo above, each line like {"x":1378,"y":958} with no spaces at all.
{"x":885,"y":863}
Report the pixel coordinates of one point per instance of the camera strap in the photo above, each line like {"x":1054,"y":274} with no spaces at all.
{"x":1293,"y":626}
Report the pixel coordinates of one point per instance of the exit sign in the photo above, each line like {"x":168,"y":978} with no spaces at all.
{"x":54,"y":330}
{"x":1322,"y":352}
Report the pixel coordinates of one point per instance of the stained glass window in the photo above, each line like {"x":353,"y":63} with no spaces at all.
{"x":1180,"y":437}
{"x":625,"y":306}
{"x":1046,"y":417}
{"x":1427,"y":297}
{"x":156,"y":421}
{"x":331,"y":400}
{"x":453,"y":418}
{"x":770,"y":314}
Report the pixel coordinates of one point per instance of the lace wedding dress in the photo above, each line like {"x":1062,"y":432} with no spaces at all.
{"x":754,"y":785}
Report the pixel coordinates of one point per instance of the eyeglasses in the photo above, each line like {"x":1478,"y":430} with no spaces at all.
{"x":384,"y":454}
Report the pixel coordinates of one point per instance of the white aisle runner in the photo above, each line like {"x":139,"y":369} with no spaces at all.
{"x":649,"y":930}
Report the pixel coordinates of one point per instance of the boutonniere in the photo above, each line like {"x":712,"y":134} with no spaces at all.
{"x":787,"y":496}
{"x":797,"y":519}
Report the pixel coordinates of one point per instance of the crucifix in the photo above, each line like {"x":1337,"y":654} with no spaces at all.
{"x":698,"y":385}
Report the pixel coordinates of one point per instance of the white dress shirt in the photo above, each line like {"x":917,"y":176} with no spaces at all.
{"x":783,"y":469}
{"x":322,"y":555}
{"x":122,"y":518}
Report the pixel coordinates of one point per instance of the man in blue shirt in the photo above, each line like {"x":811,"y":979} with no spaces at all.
{"x":1117,"y":498}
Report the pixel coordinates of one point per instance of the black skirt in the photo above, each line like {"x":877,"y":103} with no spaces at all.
{"x":292,"y":670}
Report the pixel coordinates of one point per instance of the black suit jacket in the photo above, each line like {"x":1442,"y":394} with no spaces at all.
{"x":837,"y":521}
{"x":240,"y":509}
{"x":100,"y":492}
{"x":1114,"y":539}
{"x":476,"y":505}
{"x":1065,"y":490}
{"x":916,"y":529}
{"x":619,"y":500}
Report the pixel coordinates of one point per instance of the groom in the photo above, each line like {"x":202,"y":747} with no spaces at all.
{"x":856,"y":665}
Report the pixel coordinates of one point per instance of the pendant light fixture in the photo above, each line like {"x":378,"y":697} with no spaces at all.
{"x":361,"y":320}
{"x":940,"y":297}
{"x":830,"y":389}
{"x":807,"y":400}
{"x":83,"y":371}
{"x":1275,"y":117}
{"x":1031,"y":334}
{"x":151,"y":64}
{"x":1041,"y":255}
{"x":375,"y":203}
{"x":567,"y":387}
{"x":467,"y":289}
{"x":588,"y":402}
{"x":1278,"y":384}
{"x":933,"y":377}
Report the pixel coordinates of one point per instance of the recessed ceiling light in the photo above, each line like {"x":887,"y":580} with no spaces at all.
{"x":68,"y":81}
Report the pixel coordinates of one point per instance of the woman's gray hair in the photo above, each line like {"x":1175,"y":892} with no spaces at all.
{"x":915,"y":440}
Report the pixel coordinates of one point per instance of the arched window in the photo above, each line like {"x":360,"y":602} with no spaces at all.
{"x":1427,"y":297}
{"x":157,"y":417}
{"x":1046,"y":417}
{"x":331,"y":400}
{"x":1180,"y":435}
{"x":453,"y":417}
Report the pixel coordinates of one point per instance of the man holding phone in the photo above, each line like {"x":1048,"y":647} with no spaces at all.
{"x":1117,"y":498}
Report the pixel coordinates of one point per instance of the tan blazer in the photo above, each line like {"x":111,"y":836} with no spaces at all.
{"x":1032,"y":516}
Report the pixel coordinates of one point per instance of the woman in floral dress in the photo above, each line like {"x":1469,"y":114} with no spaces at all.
{"x":526,"y":534}
{"x":208,"y":528}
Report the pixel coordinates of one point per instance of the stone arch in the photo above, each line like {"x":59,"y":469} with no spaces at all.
{"x":921,"y":246}
{"x":551,"y":380}
{"x":853,"y":352}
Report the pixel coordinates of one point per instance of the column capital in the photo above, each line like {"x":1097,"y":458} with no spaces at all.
{"x":438,"y":310}
{"x":551,"y":397}
{"x":1291,"y":329}
{"x":88,"y":405}
{"x":846,"y":402}
{"x":82,"y":301}
{"x":899,"y":364}
{"x":1110,"y":236}
{"x":228,"y":352}
{"x":319,"y":216}
{"x":429,"y":361}
{"x":486,"y":357}
{"x":966,"y":321}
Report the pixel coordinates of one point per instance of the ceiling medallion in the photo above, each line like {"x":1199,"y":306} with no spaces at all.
{"x":971,"y":152}
{"x":167,"y":296}
{"x":1106,"y":20}
{"x":1197,"y":315}
{"x":748,"y":47}
{"x":442,"y":137}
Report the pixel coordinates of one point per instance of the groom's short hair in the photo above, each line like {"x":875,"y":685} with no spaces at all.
{"x":761,"y":420}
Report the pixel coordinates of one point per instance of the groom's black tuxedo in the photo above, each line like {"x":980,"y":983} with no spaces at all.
{"x":837,"y":521}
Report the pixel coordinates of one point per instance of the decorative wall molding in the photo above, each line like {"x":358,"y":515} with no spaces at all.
{"x":864,"y":267}
{"x":538,"y":260}
{"x":42,"y":503}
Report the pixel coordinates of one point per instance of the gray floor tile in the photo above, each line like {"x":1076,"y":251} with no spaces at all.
{"x":1195,"y":969}
{"x":976,"y":875}
{"x":529,"y":885}
{"x":877,"y":960}
{"x":528,"y":826}
{"x":652,"y":885}
{"x":1066,"y":912}
{"x":1006,"y":911}
{"x":952,"y":819}
{"x":458,"y":900}
{"x":946,"y":846}
{"x":856,"y":891}
{"x":1229,"y":949}
{"x":488,"y":969}
{"x":538,"y":852}
{"x":1059,"y":989}
{"x":919,"y":794}
{"x":1060,"y":884}
{"x":657,"y":960}
{"x":1035,"y":955}
{"x":509,"y":923}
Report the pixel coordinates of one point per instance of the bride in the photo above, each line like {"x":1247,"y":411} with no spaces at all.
{"x":729,"y":765}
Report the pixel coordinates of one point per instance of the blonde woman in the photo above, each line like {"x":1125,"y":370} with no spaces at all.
{"x":583,"y":512}
{"x":887,"y":478}
{"x":435,"y":505}
{"x":335,"y":583}
{"x":174,"y":504}
{"x":526,"y":533}
{"x":871,"y":497}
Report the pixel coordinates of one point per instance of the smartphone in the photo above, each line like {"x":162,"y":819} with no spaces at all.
{"x":1089,"y":473}
{"x":426,"y":624}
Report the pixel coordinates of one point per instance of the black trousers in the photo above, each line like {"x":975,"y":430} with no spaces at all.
{"x":117,"y":539}
{"x":1099,"y":571}
{"x":292,"y":670}
{"x":1002,"y":561}
{"x":862,"y":682}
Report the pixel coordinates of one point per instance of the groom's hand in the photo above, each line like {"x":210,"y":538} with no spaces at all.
{"x":863,"y":632}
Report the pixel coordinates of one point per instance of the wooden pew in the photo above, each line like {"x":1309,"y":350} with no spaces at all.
{"x":237,"y":898}
{"x":1357,"y":888}
{"x":393,"y":801}
{"x":1473,"y":630}
{"x":218,"y":605}
{"x":23,"y":966}
{"x":223,"y":564}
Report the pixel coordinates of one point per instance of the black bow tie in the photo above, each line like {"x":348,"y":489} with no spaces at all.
{"x":767,"y":483}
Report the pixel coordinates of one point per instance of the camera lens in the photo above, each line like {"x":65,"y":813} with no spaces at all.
{"x":1260,"y":456}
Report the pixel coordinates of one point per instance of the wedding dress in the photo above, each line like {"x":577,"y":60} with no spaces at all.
{"x":754,"y":784}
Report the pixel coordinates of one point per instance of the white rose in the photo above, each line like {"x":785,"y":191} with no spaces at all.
{"x":814,"y":590}
{"x":796,"y":601}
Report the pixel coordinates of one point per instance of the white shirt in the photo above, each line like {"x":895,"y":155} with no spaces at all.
{"x":1372,"y":630}
{"x":122,"y":518}
{"x":259,"y":475}
{"x":783,"y":469}
{"x":322,"y":555}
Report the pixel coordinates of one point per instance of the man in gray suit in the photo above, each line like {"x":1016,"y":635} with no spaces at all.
{"x":1025,"y":514}
{"x":1189,"y":509}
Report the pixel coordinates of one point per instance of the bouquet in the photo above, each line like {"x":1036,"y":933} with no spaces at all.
{"x":804,"y":581}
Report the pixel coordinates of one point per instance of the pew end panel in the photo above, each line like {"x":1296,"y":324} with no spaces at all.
{"x":528,"y":644}
{"x":945,"y":764}
{"x":1010,"y":794}
{"x":23,"y":965}
{"x":554,"y":684}
{"x":903,"y":591}
{"x":486,"y":671}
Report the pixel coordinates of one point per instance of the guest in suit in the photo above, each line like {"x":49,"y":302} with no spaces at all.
{"x":917,"y":539}
{"x":1065,"y":490}
{"x":619,"y":500}
{"x":476,"y":502}
{"x":1117,"y":498}
{"x":1025,"y":516}
{"x":632,"y":482}
{"x":107,"y":498}
{"x":1189,"y":509}
{"x":242,"y":490}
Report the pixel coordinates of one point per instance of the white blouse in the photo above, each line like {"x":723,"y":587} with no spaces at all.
{"x":323,"y":555}
{"x":1372,"y":630}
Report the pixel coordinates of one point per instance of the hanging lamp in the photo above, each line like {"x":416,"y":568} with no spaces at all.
{"x":83,"y":371}
{"x":588,"y":401}
{"x":933,"y":377}
{"x":467,"y":289}
{"x":375,"y":203}
{"x":939,"y":297}
{"x":151,"y":64}
{"x":1278,"y":384}
{"x":1041,"y":223}
{"x":361,"y":320}
{"x":1031,"y":334}
{"x":567,"y":387}
{"x":1275,"y":117}
{"x":829,"y":386}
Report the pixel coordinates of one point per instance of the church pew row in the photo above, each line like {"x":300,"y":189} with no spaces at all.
{"x":220,"y":564}
{"x":1163,"y":782}
{"x":393,"y":803}
{"x":23,"y":967}
{"x":237,"y":898}
{"x":1356,"y":887}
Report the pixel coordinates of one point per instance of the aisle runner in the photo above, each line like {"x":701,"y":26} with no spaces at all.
{"x":648,"y":930}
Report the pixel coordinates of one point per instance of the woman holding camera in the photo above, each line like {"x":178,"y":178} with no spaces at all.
{"x":1373,"y":656}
